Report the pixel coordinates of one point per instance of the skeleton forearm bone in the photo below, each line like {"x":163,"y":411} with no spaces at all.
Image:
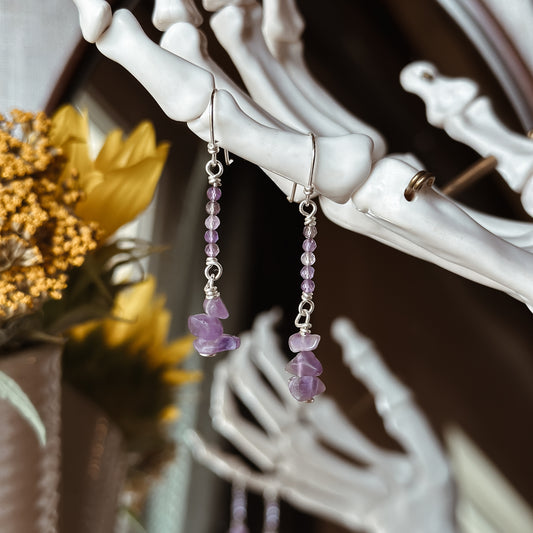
{"x":343,"y":165}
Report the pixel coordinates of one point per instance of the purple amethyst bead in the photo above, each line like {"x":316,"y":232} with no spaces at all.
{"x":310,"y":232}
{"x":238,"y":528}
{"x":211,"y":236}
{"x":215,"y":307}
{"x":308,"y":259}
{"x":212,"y":250}
{"x":309,"y":245}
{"x":214,"y":194}
{"x":304,"y":364}
{"x":308,"y":285}
{"x":305,"y":388}
{"x":205,"y":326}
{"x":212,"y":208}
{"x":307,"y":272}
{"x":207,"y":347}
{"x":303,"y":343}
{"x":212,"y":222}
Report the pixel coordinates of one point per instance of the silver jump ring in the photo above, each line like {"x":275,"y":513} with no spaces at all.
{"x":214,"y":168}
{"x":209,"y":274}
{"x":306,"y":204}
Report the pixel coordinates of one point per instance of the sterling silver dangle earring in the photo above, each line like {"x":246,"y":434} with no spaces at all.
{"x":305,"y":384}
{"x":207,"y":326}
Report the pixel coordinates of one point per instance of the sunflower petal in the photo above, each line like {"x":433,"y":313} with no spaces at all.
{"x":177,"y":376}
{"x":109,"y":151}
{"x":123,"y":194}
{"x":68,"y":125}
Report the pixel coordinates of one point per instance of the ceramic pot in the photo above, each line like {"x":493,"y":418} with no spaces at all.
{"x":29,"y":472}
{"x":93,"y":467}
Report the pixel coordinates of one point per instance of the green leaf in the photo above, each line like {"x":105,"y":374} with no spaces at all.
{"x":10,"y":391}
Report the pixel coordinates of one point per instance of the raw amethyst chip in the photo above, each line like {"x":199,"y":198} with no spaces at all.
{"x":305,"y":388}
{"x":215,"y":307}
{"x":303,"y":343}
{"x":205,"y":326}
{"x":304,"y":364}
{"x":207,"y":348}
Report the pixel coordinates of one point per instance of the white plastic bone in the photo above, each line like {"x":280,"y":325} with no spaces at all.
{"x":361,"y":194}
{"x":394,"y":492}
{"x":238,"y":29}
{"x":95,"y":18}
{"x":282,"y":29}
{"x":453,"y":104}
{"x":168,"y":12}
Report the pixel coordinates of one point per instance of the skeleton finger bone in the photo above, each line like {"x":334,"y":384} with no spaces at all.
{"x":268,"y":356}
{"x":401,"y":417}
{"x":239,"y":31}
{"x":365,"y":364}
{"x":282,"y":24}
{"x":249,"y":439}
{"x":454,"y":105}
{"x":215,"y":5}
{"x":228,"y":466}
{"x":95,"y":17}
{"x":250,"y":388}
{"x":282,"y":28}
{"x":168,"y":12}
{"x":126,"y":43}
{"x":187,"y":42}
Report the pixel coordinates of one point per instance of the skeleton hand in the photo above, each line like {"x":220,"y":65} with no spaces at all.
{"x":360,"y":189}
{"x":393,"y":492}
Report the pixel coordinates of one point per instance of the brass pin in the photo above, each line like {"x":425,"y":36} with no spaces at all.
{"x":469,"y":176}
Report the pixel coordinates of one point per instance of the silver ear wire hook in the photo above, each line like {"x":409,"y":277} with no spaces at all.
{"x":309,"y":188}
{"x":212,"y":140}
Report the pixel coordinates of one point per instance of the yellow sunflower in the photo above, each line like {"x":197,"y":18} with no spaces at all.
{"x":120,"y":183}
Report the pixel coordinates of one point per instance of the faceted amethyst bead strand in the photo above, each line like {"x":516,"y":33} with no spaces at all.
{"x":238,"y":510}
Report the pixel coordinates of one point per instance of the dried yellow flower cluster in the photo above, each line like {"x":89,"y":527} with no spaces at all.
{"x":40,"y":236}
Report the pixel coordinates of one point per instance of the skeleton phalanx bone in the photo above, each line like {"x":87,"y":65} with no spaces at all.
{"x":392,"y":492}
{"x":454,"y":105}
{"x":357,"y":191}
